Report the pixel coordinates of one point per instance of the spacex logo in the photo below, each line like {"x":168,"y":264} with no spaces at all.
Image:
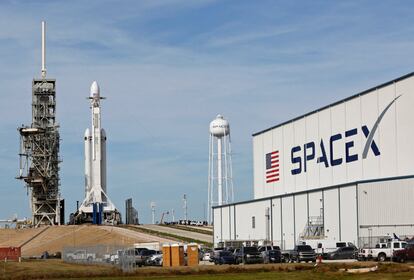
{"x":324,"y":152}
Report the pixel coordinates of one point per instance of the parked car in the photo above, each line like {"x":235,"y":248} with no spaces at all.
{"x":272,"y":256}
{"x":155,"y":259}
{"x":300,"y":253}
{"x":248,"y":255}
{"x":142,"y":256}
{"x":225,"y":257}
{"x":215,"y":253}
{"x":343,"y":253}
{"x":404,"y":255}
{"x":205,"y":256}
{"x":267,"y":248}
{"x":381,"y":254}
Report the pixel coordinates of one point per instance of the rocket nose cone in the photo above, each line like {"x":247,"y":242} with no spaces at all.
{"x":94,"y":89}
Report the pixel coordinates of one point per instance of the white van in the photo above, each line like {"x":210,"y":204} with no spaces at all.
{"x":325,"y":246}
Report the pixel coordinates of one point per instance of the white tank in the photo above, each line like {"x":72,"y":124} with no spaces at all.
{"x":219,"y":127}
{"x":87,"y":140}
{"x":103,"y":160}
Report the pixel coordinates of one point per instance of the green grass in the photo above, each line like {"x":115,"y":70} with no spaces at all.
{"x":56,"y":269}
{"x":278,"y":276}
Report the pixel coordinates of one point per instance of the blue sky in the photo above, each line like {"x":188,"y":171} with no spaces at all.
{"x":169,"y":67}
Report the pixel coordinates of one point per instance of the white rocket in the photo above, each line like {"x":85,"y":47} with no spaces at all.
{"x":95,"y":159}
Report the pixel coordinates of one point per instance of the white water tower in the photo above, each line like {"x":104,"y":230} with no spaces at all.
{"x":220,"y":174}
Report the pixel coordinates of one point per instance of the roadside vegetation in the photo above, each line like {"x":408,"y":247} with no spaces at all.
{"x":56,"y":269}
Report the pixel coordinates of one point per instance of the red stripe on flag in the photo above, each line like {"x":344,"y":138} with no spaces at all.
{"x":272,"y":175}
{"x":272,"y":171}
{"x":273,"y":180}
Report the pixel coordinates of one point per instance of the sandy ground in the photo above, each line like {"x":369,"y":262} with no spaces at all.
{"x":54,"y":239}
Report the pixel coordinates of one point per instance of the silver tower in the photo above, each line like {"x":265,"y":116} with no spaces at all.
{"x":95,"y":165}
{"x":220,"y":172}
{"x":39,"y":150}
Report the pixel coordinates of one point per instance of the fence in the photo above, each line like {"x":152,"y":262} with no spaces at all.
{"x":120,"y":256}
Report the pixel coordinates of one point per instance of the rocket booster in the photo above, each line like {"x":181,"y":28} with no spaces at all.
{"x":95,"y":151}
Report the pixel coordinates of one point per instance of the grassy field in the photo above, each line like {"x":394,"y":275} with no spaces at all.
{"x":56,"y":269}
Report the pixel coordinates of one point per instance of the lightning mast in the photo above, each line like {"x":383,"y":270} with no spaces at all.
{"x":39,"y":150}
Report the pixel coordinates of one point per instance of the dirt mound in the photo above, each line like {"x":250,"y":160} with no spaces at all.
{"x":54,"y":238}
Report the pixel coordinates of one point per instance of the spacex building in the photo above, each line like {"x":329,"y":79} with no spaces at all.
{"x":344,"y":172}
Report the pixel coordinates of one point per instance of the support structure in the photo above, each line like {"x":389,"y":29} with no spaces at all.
{"x":131,"y":214}
{"x":39,"y":150}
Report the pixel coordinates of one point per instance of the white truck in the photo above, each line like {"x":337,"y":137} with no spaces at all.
{"x":80,"y":255}
{"x":148,"y":245}
{"x":382,"y":251}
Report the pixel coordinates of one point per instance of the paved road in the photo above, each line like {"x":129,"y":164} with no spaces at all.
{"x":179,"y":232}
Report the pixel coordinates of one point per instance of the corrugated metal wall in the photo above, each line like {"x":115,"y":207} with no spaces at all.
{"x":378,"y":208}
{"x":393,"y":139}
{"x":386,"y":207}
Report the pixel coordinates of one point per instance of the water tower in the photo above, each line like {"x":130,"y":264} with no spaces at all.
{"x":220,"y":177}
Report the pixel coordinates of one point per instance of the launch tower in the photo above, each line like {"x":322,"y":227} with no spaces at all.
{"x":39,"y":151}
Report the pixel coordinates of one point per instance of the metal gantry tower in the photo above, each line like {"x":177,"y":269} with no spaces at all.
{"x":39,"y":150}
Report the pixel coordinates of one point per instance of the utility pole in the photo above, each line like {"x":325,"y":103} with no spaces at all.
{"x":185,"y":208}
{"x":204,"y":211}
{"x":153,"y":212}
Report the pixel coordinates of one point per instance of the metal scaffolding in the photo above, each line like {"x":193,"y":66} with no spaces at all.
{"x":39,"y":154}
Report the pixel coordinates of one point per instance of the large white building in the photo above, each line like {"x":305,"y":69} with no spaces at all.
{"x":346,"y":169}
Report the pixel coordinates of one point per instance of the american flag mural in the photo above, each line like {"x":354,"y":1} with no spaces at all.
{"x":272,"y":167}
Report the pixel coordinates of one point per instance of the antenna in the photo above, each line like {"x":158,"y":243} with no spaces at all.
{"x":43,"y":49}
